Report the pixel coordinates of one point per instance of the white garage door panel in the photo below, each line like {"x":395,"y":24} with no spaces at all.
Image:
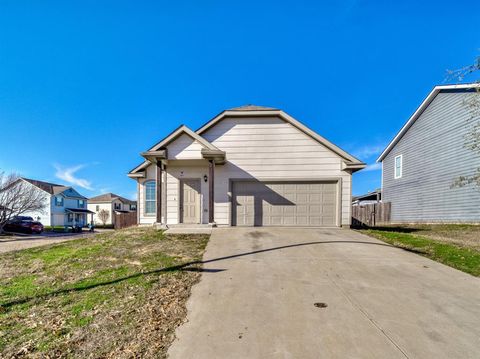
{"x":284,"y":204}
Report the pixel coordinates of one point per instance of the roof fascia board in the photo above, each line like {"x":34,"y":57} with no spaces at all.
{"x":178,"y":132}
{"x":140,"y":167}
{"x":172,"y":136}
{"x":320,"y":139}
{"x":136,"y":175}
{"x":423,"y":106}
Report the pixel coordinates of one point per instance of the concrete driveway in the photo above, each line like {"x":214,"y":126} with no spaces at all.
{"x":257,"y":296}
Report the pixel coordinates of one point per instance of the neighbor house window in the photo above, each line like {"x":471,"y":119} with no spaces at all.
{"x":133,"y":207}
{"x":97,"y":208}
{"x":398,"y":166}
{"x":81,"y":203}
{"x":118,"y":206}
{"x":70,"y":217}
{"x":150,"y":201}
{"x":58,"y":201}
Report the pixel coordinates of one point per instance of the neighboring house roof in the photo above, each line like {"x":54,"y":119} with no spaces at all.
{"x":246,"y":111}
{"x":423,"y":106}
{"x":110,"y":197}
{"x":370,"y":196}
{"x":52,"y":188}
{"x":48,"y":187}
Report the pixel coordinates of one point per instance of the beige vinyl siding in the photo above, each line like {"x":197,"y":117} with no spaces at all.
{"x":433,"y":156}
{"x":270,"y":148}
{"x":106,"y":206}
{"x":184,"y":147}
{"x":174,"y":174}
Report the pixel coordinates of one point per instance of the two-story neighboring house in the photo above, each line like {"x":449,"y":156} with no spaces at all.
{"x":64,"y":205}
{"x":112,"y":203}
{"x":422,"y":163}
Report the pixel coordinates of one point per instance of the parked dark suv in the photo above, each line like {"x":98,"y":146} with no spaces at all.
{"x":23,"y":224}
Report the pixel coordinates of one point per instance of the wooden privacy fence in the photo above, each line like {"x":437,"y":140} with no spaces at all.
{"x":124,"y":220}
{"x":371,"y":215}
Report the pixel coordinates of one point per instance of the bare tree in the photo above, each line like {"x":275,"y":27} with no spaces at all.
{"x":103,"y":215}
{"x":18,"y":197}
{"x":472,"y":137}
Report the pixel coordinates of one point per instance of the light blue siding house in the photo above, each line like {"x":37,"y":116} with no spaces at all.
{"x":64,"y":206}
{"x":422,"y":162}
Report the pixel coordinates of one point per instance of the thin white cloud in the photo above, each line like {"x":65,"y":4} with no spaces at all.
{"x":67,"y":174}
{"x":368,"y":151}
{"x":373,"y":167}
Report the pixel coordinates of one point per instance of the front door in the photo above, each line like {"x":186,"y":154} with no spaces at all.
{"x":190,"y":201}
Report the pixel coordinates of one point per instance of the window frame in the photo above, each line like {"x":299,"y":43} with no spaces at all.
{"x":395,"y":175}
{"x":59,"y":201}
{"x":83,"y":203}
{"x":154,"y":200}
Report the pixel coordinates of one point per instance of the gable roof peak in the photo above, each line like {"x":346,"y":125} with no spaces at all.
{"x":463,"y":87}
{"x":251,"y":107}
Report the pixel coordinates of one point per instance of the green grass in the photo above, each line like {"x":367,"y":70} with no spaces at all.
{"x":79,"y":297}
{"x":450,"y":251}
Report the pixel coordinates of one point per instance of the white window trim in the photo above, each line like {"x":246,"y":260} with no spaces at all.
{"x":149,"y":214}
{"x":395,"y":167}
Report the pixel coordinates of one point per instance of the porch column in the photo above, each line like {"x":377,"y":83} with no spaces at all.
{"x":211,"y":191}
{"x":164,"y":191}
{"x":158,"y":186}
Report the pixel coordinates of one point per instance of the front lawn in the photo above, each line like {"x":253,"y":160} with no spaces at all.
{"x":117,"y":294}
{"x":457,"y":246}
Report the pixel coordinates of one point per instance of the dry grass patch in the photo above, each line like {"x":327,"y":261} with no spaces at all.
{"x":456,"y":245}
{"x":115,"y":295}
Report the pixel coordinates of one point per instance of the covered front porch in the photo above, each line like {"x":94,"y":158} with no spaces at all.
{"x":185,"y":188}
{"x":77,"y":217}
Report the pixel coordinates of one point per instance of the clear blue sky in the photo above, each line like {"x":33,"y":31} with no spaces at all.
{"x":87,"y":85}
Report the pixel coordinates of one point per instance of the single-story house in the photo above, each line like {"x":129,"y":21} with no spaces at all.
{"x":64,"y":206}
{"x":423,"y":164}
{"x":112,"y":203}
{"x":367,"y":198}
{"x":248,"y":166}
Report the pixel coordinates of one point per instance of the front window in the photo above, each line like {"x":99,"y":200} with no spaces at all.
{"x":150,"y":201}
{"x":70,"y":217}
{"x":398,"y":166}
{"x":59,"y":201}
{"x":81,"y":203}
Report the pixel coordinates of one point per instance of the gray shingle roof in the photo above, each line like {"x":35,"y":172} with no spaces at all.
{"x":51,"y":188}
{"x":251,"y":107}
{"x":109,"y":197}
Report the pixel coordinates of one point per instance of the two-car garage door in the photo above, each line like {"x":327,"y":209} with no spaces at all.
{"x":284,"y":203}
